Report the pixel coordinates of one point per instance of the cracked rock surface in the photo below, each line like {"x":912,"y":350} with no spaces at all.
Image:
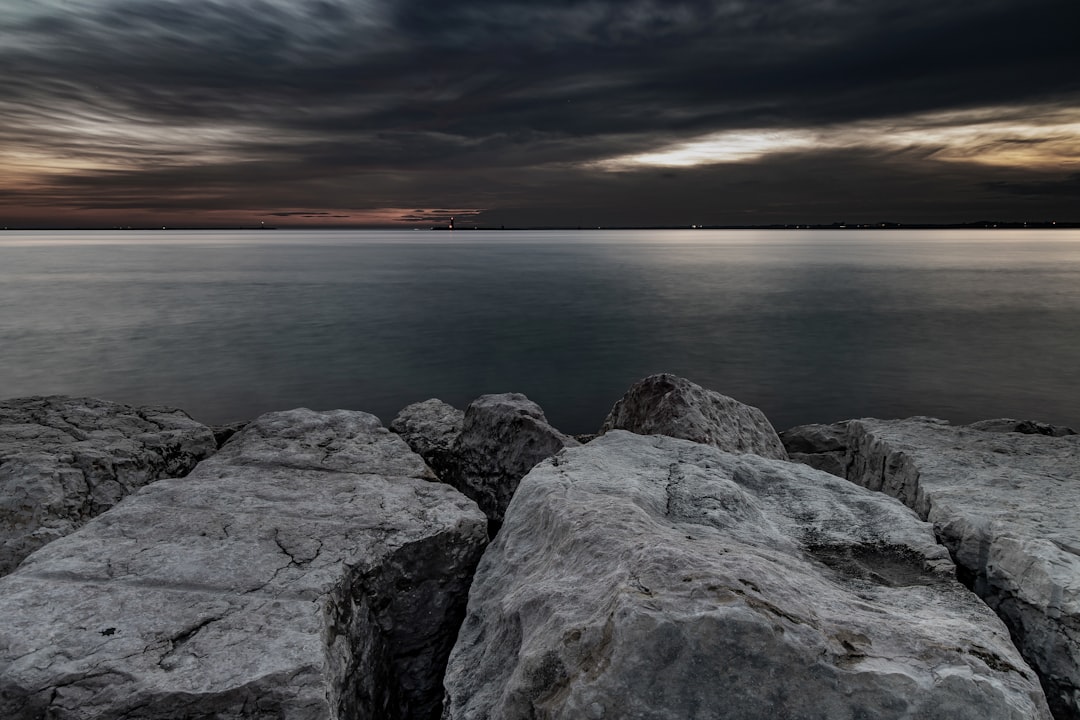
{"x":64,"y":460}
{"x":650,"y":577}
{"x":670,"y":405}
{"x":310,"y":569}
{"x":1003,"y":497}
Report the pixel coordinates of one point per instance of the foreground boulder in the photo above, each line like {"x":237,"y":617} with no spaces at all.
{"x":670,"y":405}
{"x":430,"y":428}
{"x":502,"y":438}
{"x":649,"y":577}
{"x":1003,"y":498}
{"x":309,"y":570}
{"x":64,"y":460}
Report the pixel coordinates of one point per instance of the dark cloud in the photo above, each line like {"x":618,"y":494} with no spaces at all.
{"x":1068,"y":187}
{"x":270,"y":105}
{"x":305,"y":214}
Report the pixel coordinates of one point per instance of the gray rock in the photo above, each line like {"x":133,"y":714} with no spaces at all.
{"x":309,"y":570}
{"x":430,"y":428}
{"x":1027,"y":427}
{"x":649,"y":577}
{"x":1004,"y":503}
{"x":670,"y":405}
{"x":502,"y":438}
{"x":223,"y":433}
{"x":64,"y":460}
{"x":820,"y":446}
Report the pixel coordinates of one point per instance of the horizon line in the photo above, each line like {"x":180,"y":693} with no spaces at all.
{"x":885,"y":225}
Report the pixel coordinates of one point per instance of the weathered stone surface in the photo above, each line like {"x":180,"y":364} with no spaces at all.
{"x":223,"y":433}
{"x":1005,"y":505}
{"x":670,"y":405}
{"x":310,"y":569}
{"x":820,"y":446}
{"x":1027,"y":427}
{"x":430,"y":428}
{"x":64,"y":460}
{"x":649,"y":577}
{"x":502,"y":438}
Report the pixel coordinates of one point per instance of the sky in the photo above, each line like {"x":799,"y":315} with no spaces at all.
{"x":571,"y":113}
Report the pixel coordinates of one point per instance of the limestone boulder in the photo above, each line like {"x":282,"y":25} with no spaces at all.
{"x":430,"y":428}
{"x":651,"y":577}
{"x":64,"y":460}
{"x":312,"y":569}
{"x":502,"y":438}
{"x":670,"y":405}
{"x":1003,"y":499}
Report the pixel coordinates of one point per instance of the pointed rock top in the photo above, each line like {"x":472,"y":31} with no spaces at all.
{"x":666,"y":404}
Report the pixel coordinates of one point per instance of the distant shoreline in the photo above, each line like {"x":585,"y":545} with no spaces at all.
{"x":977,"y":225}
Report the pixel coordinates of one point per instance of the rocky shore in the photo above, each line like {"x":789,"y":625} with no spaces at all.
{"x":477,"y":563}
{"x":1003,"y":497}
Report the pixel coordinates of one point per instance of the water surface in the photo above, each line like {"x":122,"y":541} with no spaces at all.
{"x":808,"y":325}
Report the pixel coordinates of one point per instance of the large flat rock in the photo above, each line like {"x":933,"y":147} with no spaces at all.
{"x":650,"y":577}
{"x":310,"y":569}
{"x":64,"y":460}
{"x":670,"y":405}
{"x":1003,"y":497}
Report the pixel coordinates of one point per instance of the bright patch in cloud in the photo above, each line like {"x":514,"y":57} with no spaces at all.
{"x":1030,"y":138}
{"x":99,"y":141}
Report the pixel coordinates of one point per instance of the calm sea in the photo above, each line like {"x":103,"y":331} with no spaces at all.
{"x":811,"y":326}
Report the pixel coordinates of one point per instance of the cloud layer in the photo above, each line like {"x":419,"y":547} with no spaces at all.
{"x":568,"y":112}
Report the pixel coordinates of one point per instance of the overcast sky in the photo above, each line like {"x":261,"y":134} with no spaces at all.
{"x":628,"y":112}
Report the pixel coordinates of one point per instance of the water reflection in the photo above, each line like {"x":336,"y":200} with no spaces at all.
{"x":810,"y":326}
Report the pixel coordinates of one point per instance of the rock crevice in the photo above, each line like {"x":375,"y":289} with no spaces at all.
{"x":653,"y":577}
{"x":485,"y":451}
{"x":310,"y":569}
{"x":1002,"y":497}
